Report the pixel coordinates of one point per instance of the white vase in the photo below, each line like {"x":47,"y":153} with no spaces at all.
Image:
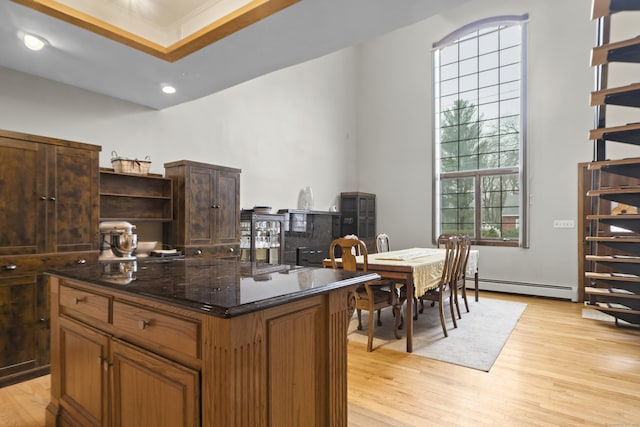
{"x":308,"y":198}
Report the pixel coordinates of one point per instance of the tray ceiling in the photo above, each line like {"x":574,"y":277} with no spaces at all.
{"x":129,"y":49}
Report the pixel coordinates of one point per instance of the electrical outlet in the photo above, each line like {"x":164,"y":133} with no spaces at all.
{"x":563,"y":223}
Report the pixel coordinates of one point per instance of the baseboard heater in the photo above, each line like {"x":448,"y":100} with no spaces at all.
{"x":527,"y":288}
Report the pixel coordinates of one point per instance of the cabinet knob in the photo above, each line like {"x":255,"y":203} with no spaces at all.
{"x":78,"y":300}
{"x":215,"y":206}
{"x":43,"y":197}
{"x":81,"y":261}
{"x":9,"y":267}
{"x":53,"y":199}
{"x":104,"y":362}
{"x":142,"y":324}
{"x":198,"y":252}
{"x":232,"y":250}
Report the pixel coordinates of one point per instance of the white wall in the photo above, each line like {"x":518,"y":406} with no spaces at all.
{"x":395,"y":134}
{"x":302,"y":127}
{"x":286,"y":130}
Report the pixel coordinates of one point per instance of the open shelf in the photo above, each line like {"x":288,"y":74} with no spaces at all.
{"x":132,"y":197}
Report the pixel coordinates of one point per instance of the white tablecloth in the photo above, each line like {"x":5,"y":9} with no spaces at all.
{"x":426,"y":263}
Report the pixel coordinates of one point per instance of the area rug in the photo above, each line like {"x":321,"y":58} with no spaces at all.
{"x":476,"y":342}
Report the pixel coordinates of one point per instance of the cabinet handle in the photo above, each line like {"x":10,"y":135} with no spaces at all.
{"x":232,"y":250}
{"x":81,"y":261}
{"x":9,"y":267}
{"x":142,"y":324}
{"x":43,"y":197}
{"x":53,"y":199}
{"x":78,"y":300}
{"x":215,"y":206}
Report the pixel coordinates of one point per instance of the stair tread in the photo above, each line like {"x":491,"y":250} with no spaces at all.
{"x":613,"y":216}
{"x":623,"y":95}
{"x":614,"y":258}
{"x":622,"y":277}
{"x":614,"y":131}
{"x":612,"y":292}
{"x":614,"y":190}
{"x":616,"y":239}
{"x":602,"y":8}
{"x":610,"y":307}
{"x":600,"y":54}
{"x":617,"y":162}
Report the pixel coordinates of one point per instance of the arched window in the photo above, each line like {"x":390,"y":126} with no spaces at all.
{"x":479,"y":132}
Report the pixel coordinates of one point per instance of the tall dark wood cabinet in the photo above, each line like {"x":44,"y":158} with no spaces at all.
{"x":206,"y":209}
{"x":611,"y":276}
{"x":49,"y":219}
{"x":359,"y":217}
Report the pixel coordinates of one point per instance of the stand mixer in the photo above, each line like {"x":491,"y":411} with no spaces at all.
{"x":117,"y":241}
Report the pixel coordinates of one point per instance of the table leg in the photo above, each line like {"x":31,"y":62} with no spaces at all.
{"x":475,"y":278}
{"x":409,"y":317}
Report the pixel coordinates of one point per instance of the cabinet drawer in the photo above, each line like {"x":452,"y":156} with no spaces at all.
{"x":157,"y":328}
{"x":219,"y":251}
{"x":83,"y":304}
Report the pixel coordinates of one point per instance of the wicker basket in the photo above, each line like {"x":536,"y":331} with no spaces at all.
{"x":133,"y":166}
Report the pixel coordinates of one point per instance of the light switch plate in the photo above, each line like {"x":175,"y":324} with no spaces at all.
{"x":563,"y":223}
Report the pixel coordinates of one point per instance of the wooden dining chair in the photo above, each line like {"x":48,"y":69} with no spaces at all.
{"x":444,"y":238}
{"x":462,"y":271}
{"x":372,"y":296}
{"x":460,"y":279}
{"x":382,"y":243}
{"x":445,"y":284}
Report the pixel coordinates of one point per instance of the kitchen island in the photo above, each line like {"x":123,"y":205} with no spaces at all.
{"x":195,"y":342}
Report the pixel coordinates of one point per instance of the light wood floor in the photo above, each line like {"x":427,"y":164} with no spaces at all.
{"x":557,"y":369}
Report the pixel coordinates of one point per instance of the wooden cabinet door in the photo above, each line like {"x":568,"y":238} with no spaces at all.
{"x":84,"y":373}
{"x":201,"y":190}
{"x":73,"y":215}
{"x":151,"y":391}
{"x":206,"y":207}
{"x":227,"y":200}
{"x":23,"y":197}
{"x":49,"y":199}
{"x":43,"y":321}
{"x":19,"y":325}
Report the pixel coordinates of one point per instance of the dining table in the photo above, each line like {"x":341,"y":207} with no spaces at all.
{"x":419,"y":269}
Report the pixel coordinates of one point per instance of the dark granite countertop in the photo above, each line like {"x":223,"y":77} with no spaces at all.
{"x":218,"y":287}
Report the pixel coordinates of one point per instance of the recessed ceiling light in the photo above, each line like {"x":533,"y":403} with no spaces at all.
{"x":34,"y":42}
{"x":168,"y":89}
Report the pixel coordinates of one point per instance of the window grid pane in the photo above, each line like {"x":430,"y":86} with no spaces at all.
{"x":479,"y":132}
{"x":500,"y":207}
{"x":457,"y":210}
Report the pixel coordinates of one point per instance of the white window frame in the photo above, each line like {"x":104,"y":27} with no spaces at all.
{"x":521,"y":169}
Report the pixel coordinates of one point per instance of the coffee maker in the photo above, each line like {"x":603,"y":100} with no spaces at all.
{"x":117,"y":241}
